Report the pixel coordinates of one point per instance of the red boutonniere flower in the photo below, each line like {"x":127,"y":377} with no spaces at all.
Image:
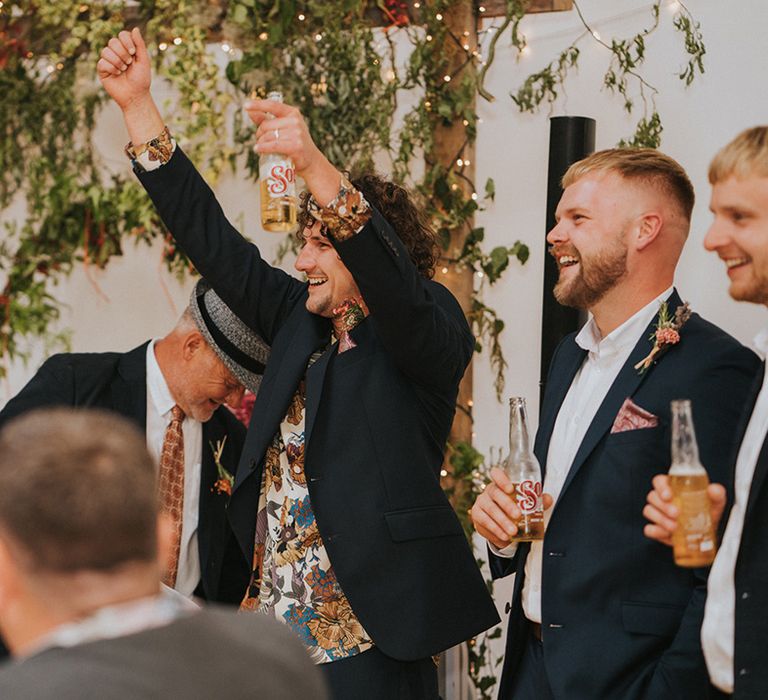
{"x":226,"y":481}
{"x":666,"y":335}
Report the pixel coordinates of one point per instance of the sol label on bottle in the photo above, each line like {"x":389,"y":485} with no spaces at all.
{"x":281,"y":180}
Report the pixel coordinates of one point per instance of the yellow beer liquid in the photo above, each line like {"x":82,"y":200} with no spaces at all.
{"x":278,"y":214}
{"x":530,"y":526}
{"x":693,"y":540}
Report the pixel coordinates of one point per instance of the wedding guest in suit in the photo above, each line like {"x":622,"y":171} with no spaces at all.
{"x":736,"y":613}
{"x":598,"y":611}
{"x":337,"y":501}
{"x":180,"y":380}
{"x":80,"y":599}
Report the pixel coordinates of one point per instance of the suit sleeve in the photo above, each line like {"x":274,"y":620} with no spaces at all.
{"x":52,"y":385}
{"x":419,"y":322}
{"x":718,"y":396}
{"x":261,"y":295}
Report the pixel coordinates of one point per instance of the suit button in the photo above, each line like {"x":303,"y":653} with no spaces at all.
{"x":743,"y":672}
{"x":508,"y":608}
{"x":744,"y":595}
{"x":252,"y":464}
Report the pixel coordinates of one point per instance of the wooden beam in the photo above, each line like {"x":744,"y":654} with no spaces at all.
{"x":498,"y":8}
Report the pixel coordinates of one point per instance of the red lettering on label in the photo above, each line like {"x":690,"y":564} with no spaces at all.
{"x":279,"y":178}
{"x":528,"y":496}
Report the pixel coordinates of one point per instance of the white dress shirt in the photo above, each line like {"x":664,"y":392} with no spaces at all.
{"x":717,"y":631}
{"x":159,"y":405}
{"x":605,"y":358}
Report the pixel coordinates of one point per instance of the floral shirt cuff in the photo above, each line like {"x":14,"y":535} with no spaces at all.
{"x":346,"y":214}
{"x":152,"y":154}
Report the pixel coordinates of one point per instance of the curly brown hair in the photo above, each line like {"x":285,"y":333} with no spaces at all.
{"x":397,"y":206}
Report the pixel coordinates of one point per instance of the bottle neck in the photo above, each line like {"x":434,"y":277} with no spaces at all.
{"x":685,"y":450}
{"x":519,"y":445}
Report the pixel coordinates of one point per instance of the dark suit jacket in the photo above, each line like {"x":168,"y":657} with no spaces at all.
{"x":377,"y":418}
{"x":619,"y":619}
{"x":118,"y":382}
{"x":206,"y":655}
{"x":750,"y":672}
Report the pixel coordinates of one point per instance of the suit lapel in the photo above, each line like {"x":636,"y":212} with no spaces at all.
{"x":625,"y":385}
{"x":129,"y":389}
{"x":213,"y":431}
{"x":758,"y":479}
{"x":557,"y":387}
{"x":306,"y":333}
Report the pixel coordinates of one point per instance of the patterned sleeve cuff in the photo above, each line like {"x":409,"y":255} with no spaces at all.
{"x":346,"y":215}
{"x":152,"y":154}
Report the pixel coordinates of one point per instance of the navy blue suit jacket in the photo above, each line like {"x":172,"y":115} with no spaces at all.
{"x":377,"y":418}
{"x":750,"y":672}
{"x":619,"y":619}
{"x":118,"y":382}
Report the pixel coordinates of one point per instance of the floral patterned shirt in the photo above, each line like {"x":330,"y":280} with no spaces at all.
{"x":293,"y":578}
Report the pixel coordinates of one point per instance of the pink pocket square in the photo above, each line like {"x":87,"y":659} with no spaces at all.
{"x":632,"y":417}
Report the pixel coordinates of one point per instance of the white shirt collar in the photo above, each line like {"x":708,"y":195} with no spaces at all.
{"x":626,"y":335}
{"x":760,"y":343}
{"x":118,"y":620}
{"x":157,"y":387}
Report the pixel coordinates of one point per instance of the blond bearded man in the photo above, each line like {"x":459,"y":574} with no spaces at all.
{"x":598,"y":611}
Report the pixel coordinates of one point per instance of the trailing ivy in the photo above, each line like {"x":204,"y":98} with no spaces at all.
{"x":623,"y":75}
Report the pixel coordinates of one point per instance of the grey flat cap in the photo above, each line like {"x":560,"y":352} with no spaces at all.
{"x":243,"y":352}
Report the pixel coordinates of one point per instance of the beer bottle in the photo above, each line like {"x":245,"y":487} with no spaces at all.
{"x":278,"y":188}
{"x":522,"y":468}
{"x":694,"y":539}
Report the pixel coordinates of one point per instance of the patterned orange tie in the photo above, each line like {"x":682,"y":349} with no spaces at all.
{"x":171,"y":487}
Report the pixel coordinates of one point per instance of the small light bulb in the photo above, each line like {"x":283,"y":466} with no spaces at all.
{"x":447,"y":78}
{"x":162,"y":46}
{"x":443,"y":472}
{"x":474,"y":199}
{"x":445,"y":270}
{"x":481,"y":9}
{"x":301,"y":18}
{"x":439,"y":17}
{"x":459,"y":162}
{"x":225,"y":48}
{"x":177,"y":41}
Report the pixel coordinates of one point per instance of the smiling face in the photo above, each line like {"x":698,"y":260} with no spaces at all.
{"x":589,"y":240}
{"x":204,"y":383}
{"x":330,"y":282}
{"x":739,"y":234}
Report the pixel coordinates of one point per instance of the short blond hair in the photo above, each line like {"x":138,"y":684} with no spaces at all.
{"x":746,"y":155}
{"x":646,"y":165}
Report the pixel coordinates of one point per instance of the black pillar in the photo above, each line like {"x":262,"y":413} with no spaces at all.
{"x":570,"y":139}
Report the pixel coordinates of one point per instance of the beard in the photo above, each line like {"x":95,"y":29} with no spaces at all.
{"x":596,"y":276}
{"x":755,"y":289}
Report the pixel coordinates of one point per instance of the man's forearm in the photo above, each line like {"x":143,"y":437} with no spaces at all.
{"x":143,"y":120}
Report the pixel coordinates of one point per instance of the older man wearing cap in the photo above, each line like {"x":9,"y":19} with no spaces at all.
{"x":173,"y":389}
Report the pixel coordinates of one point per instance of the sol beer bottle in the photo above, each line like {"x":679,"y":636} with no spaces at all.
{"x":278,"y":188}
{"x":694,"y":539}
{"x":522,"y":467}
